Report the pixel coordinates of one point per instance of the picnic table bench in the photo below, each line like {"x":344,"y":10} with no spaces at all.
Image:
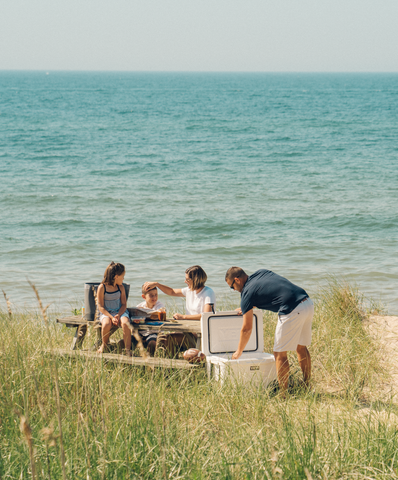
{"x":150,"y":362}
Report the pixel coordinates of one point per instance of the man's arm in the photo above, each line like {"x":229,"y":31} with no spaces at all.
{"x":245,"y":333}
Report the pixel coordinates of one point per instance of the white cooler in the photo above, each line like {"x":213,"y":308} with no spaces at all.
{"x":220,"y":339}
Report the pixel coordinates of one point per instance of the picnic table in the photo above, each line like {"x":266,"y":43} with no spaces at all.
{"x":170,"y":325}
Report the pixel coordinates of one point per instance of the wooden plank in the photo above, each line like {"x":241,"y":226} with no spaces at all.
{"x":124,"y":359}
{"x":191,"y":326}
{"x":73,"y":321}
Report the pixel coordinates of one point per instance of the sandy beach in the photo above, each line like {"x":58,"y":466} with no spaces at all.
{"x":384,"y":329}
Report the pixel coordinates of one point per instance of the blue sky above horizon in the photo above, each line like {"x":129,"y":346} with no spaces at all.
{"x":183,"y":35}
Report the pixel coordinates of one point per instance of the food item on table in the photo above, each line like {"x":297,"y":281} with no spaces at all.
{"x":138,"y":320}
{"x":193,"y":355}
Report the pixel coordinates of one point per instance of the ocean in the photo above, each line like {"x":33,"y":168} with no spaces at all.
{"x":297,"y":173}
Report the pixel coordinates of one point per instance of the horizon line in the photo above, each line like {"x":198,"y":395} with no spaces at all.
{"x":202,"y":71}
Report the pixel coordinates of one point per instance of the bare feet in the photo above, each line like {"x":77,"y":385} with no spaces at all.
{"x":101,"y":348}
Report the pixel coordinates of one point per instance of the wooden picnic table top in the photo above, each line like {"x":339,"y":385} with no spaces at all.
{"x":191,"y":326}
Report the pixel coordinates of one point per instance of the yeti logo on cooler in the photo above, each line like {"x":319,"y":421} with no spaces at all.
{"x":255,"y":367}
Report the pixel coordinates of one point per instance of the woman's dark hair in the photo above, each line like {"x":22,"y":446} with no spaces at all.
{"x":111,"y":271}
{"x":197,"y":275}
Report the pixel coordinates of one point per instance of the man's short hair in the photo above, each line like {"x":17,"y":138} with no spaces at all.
{"x":197,"y":275}
{"x":144,"y":292}
{"x":234,"y":272}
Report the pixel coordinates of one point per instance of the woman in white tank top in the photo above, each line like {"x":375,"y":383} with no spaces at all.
{"x":199,"y":298}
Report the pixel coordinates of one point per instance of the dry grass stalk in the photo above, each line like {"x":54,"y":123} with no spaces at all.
{"x":8,"y":304}
{"x":276,"y":471}
{"x":41,"y":407}
{"x":163,"y":441}
{"x":48,"y":435}
{"x":141,"y":347}
{"x":307,"y":474}
{"x":51,"y":441}
{"x":61,"y":443}
{"x":161,"y":342}
{"x":27,"y":433}
{"x":42,"y":309}
{"x":80,"y":419}
{"x":103,"y":415}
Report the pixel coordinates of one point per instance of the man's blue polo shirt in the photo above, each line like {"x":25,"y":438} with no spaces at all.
{"x":269,"y":291}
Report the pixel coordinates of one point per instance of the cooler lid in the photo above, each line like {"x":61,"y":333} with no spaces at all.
{"x":221,"y":333}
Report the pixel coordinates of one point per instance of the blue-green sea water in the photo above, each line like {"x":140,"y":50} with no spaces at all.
{"x":297,"y":173}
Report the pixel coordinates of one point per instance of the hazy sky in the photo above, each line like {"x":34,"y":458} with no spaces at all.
{"x":201,"y":35}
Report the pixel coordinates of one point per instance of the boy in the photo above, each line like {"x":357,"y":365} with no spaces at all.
{"x":151,"y":302}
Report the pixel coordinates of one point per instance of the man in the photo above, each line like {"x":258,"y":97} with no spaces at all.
{"x":269,"y":291}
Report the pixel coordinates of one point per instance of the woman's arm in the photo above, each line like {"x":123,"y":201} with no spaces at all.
{"x":178,"y":316}
{"x":173,"y":292}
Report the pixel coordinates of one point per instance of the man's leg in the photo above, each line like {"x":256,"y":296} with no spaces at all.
{"x":282,"y":370}
{"x":304,"y":359}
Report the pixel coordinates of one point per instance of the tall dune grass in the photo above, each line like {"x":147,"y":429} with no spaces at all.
{"x":121,"y":422}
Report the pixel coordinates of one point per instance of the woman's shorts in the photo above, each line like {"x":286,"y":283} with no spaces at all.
{"x":113,"y":313}
{"x":295,"y":328}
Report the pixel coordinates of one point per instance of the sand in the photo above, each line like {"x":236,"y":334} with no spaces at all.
{"x":384,"y":328}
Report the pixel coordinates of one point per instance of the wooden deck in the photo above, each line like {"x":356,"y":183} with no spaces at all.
{"x":152,"y":362}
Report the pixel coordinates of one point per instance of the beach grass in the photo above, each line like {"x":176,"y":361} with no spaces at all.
{"x":78,"y":418}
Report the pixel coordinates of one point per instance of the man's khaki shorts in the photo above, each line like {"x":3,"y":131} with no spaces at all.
{"x":295,"y":328}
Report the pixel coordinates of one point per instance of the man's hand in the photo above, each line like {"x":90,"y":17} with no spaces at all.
{"x":236,"y":355}
{"x":238,"y":311}
{"x":178,"y":316}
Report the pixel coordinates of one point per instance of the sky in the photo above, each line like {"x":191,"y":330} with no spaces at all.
{"x":200,"y":35}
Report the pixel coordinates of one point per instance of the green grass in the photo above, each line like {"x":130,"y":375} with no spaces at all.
{"x":121,"y":422}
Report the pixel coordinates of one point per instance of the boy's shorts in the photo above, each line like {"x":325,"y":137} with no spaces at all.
{"x":113,"y":313}
{"x":189,"y":340}
{"x":295,"y":328}
{"x":146,"y":337}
